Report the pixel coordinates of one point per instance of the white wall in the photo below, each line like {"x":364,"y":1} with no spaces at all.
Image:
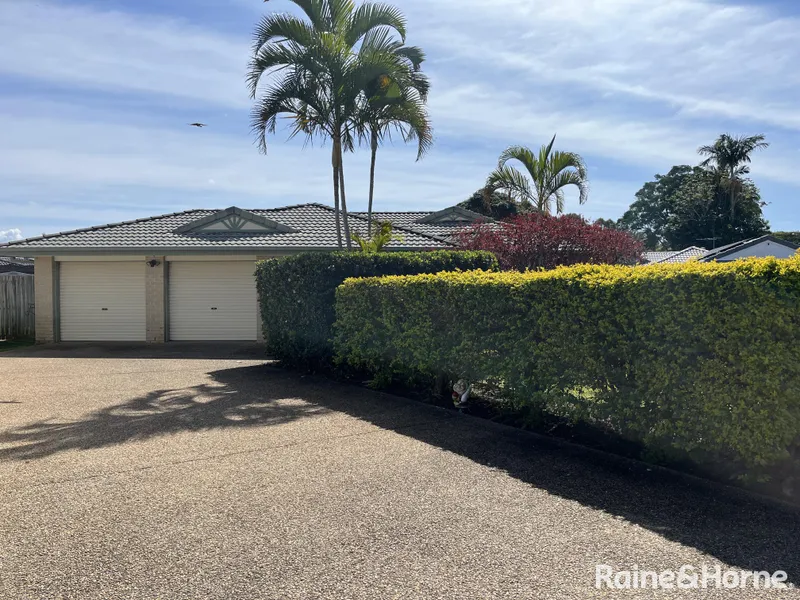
{"x":763,"y":249}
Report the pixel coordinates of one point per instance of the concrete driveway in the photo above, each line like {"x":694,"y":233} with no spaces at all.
{"x":206,"y":473}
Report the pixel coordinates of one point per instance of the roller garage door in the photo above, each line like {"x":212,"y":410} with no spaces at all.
{"x":102,"y":301}
{"x":212,"y":301}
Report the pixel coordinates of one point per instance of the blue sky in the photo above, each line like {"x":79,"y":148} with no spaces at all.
{"x":95,"y":97}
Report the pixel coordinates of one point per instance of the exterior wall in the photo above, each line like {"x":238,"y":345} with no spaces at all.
{"x":45,"y":290}
{"x":155,"y":299}
{"x":764,"y":249}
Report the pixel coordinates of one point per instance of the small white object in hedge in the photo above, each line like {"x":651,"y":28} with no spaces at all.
{"x":461,"y":393}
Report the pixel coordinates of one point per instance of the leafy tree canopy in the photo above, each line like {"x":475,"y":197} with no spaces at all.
{"x":789,"y":236}
{"x":690,"y":206}
{"x":498,"y":207}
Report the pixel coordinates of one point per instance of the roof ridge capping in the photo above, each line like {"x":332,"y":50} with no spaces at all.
{"x":234,"y":219}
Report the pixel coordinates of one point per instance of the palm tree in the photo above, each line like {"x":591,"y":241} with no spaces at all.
{"x":396,"y":105}
{"x":376,"y":242}
{"x":730,"y":156}
{"x":316,"y":70}
{"x":550,"y":172}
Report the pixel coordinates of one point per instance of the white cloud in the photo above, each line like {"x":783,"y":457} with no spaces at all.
{"x":9,"y":235}
{"x":634,"y":84}
{"x":115,"y":51}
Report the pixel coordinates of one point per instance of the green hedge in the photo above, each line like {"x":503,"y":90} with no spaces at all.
{"x":701,"y":360}
{"x":297,"y":293}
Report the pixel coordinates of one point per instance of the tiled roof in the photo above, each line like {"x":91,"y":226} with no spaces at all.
{"x":311,"y":226}
{"x":410,"y":220}
{"x":657,"y":256}
{"x":16,"y":265}
{"x":682,"y":256}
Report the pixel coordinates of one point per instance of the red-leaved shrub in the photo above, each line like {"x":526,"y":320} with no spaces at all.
{"x":532,"y":241}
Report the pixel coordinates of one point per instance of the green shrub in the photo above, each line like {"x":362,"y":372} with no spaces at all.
{"x":698,"y":359}
{"x":297,"y":293}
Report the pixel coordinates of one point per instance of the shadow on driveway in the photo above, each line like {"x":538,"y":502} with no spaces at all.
{"x":730,"y":525}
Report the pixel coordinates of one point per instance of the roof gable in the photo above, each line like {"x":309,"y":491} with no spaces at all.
{"x":234,"y":220}
{"x":454,"y":214}
{"x":735,"y":247}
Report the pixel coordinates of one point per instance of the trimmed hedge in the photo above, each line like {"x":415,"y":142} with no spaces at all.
{"x":700,"y":360}
{"x":297,"y":293}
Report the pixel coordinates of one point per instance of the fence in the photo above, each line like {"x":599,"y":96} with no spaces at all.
{"x":16,"y":306}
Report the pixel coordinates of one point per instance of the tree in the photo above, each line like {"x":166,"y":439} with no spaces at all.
{"x":549,"y":171}
{"x":316,"y":70}
{"x":376,"y":241}
{"x":647,"y":218}
{"x":396,"y":105}
{"x":493,"y":205}
{"x":689,"y":207}
{"x":607,"y":223}
{"x":700,"y":215}
{"x":790,"y":236}
{"x":538,"y":240}
{"x":730,"y":155}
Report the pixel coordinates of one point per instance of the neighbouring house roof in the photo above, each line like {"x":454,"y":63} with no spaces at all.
{"x":724,"y":251}
{"x":444,"y":223}
{"x":287,"y":229}
{"x":657,"y":255}
{"x":685,"y":255}
{"x":674,"y":256}
{"x":16,"y":266}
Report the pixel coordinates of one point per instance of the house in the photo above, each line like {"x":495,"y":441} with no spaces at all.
{"x":189,"y":275}
{"x":674,"y":256}
{"x":766,"y":245}
{"x":16,"y":266}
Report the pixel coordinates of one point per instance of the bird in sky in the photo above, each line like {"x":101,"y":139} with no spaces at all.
{"x":197,"y":125}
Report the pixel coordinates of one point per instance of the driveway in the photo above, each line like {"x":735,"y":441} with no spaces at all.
{"x":187,"y":472}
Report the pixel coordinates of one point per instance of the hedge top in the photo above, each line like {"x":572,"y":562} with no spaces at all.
{"x":784,"y":271}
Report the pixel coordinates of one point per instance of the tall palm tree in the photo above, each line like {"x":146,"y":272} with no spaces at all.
{"x":549,"y":171}
{"x":315,"y":70}
{"x":730,"y":156}
{"x":396,"y":105}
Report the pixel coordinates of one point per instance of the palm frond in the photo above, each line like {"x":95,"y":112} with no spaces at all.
{"x":278,"y":28}
{"x":509,"y":179}
{"x":371,"y":15}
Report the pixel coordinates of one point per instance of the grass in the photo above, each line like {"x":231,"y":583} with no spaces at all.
{"x":6,"y":345}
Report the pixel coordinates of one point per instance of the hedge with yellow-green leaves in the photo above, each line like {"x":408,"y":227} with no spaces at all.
{"x":700,"y":358}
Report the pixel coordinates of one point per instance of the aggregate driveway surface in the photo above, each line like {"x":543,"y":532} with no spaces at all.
{"x":191,"y":473}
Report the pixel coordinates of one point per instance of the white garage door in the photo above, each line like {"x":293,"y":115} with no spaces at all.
{"x":212,"y":301}
{"x":102,"y":301}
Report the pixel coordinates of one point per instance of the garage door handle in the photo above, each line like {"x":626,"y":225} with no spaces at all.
{"x":213,"y":308}
{"x":103,"y":309}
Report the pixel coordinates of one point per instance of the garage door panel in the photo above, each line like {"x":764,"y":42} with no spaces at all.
{"x":102,"y":301}
{"x":212,"y":301}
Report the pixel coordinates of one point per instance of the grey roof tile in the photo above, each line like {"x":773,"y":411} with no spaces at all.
{"x":313,"y":225}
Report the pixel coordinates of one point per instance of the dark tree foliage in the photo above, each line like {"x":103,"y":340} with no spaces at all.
{"x":690,"y":206}
{"x":701,"y":213}
{"x":498,"y":207}
{"x":789,"y":236}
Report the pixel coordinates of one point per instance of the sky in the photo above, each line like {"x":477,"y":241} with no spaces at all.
{"x":96,"y":97}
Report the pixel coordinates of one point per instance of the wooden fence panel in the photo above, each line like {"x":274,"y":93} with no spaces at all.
{"x":16,"y":307}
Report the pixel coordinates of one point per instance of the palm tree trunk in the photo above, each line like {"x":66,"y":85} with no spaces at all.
{"x":733,"y":196}
{"x":345,"y":219}
{"x":335,"y":163}
{"x":372,"y":181}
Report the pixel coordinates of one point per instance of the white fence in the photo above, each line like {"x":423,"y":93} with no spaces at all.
{"x":16,"y":306}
